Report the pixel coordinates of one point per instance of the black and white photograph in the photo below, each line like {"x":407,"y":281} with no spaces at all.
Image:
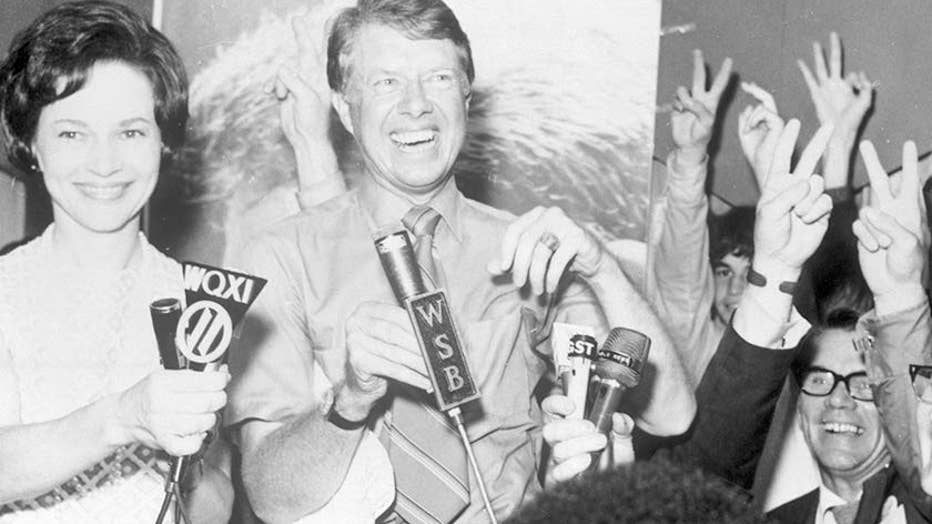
{"x":465,"y":261}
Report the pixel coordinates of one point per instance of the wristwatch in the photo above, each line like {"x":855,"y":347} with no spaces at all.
{"x":337,"y":420}
{"x":756,"y":279}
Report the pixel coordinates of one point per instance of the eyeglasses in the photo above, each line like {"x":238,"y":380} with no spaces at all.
{"x":820,"y":382}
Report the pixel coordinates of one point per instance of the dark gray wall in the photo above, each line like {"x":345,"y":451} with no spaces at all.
{"x":887,"y":40}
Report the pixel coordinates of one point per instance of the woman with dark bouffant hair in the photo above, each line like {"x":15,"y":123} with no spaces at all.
{"x":92,"y":99}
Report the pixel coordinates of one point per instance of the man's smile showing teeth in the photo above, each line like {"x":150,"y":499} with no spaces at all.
{"x":102,"y":192}
{"x":841,"y":427}
{"x":407,"y":140}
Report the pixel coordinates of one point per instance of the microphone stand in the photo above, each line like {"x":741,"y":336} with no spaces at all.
{"x":173,"y":492}
{"x":457,"y":415}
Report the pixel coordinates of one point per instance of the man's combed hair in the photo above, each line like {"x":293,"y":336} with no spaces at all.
{"x":842,"y":316}
{"x":52,"y":58}
{"x":417,"y":19}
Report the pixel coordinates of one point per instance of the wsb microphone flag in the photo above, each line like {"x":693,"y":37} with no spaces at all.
{"x":432,"y":320}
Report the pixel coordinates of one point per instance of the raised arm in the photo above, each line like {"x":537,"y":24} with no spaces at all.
{"x":544,"y":243}
{"x":684,"y":287}
{"x":738,"y":393}
{"x":759,"y":128}
{"x":842,"y":101}
{"x":892,"y":253}
{"x":305,"y":113}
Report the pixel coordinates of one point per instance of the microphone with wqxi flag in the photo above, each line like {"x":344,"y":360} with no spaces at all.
{"x":198,"y":336}
{"x":437,"y":337}
{"x":618,"y":367}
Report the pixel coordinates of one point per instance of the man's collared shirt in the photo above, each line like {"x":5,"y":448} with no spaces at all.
{"x":828,"y":499}
{"x":322,"y":264}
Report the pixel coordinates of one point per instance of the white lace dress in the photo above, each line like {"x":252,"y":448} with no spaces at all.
{"x":69,"y":337}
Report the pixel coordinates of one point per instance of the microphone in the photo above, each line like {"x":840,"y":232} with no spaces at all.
{"x":618,"y":368}
{"x":432,"y":321}
{"x":574,"y":350}
{"x":217,"y":300}
{"x":437,"y":337}
{"x":165,"y":314}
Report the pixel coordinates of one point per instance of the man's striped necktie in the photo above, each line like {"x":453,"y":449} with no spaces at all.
{"x":431,"y":475}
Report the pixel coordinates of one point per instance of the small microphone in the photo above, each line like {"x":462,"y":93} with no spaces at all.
{"x":617,"y":368}
{"x":574,"y":350}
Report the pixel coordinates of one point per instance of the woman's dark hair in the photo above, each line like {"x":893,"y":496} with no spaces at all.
{"x":60,"y":48}
{"x":417,"y":19}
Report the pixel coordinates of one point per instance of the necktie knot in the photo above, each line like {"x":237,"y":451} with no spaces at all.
{"x":421,"y":221}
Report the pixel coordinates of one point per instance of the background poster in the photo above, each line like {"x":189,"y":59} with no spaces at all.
{"x":562,"y":114}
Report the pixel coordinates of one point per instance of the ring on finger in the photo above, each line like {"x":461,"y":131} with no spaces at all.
{"x":549,"y":241}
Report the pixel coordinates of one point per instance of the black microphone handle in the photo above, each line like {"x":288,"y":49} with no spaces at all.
{"x":165,"y":315}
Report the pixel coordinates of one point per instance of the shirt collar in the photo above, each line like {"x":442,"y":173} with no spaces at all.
{"x":828,"y":499}
{"x":386,"y":207}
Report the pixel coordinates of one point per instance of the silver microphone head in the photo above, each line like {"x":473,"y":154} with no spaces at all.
{"x":622,"y":356}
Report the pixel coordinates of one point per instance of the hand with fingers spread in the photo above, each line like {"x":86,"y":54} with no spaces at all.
{"x":793,"y":210}
{"x":759,"y":127}
{"x":890,"y":232}
{"x":541,"y":245}
{"x":173,"y":409}
{"x":304,"y":97}
{"x":380,"y":345}
{"x":839,"y":100}
{"x":693,"y":118}
{"x":304,"y":93}
{"x":572,"y":441}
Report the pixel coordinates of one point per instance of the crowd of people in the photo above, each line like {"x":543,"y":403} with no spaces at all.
{"x":806,"y":315}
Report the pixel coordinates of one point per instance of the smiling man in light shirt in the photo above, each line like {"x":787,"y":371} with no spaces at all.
{"x":328,"y":373}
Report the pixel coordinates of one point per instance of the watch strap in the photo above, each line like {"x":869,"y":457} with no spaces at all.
{"x":759,"y":280}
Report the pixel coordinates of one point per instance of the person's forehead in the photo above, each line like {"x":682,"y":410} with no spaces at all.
{"x":113,"y":90}
{"x":379,"y":47}
{"x":733,"y":261}
{"x":834,"y":350}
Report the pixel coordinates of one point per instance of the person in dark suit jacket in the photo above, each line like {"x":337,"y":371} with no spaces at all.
{"x":852,"y":431}
{"x":839,"y":399}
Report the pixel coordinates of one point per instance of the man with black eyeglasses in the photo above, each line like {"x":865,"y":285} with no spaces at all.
{"x":839,"y":422}
{"x":856,"y":404}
